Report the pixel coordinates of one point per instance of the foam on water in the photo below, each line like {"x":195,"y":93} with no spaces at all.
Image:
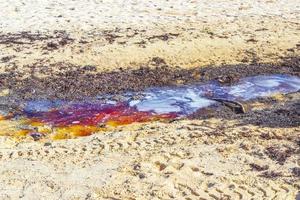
{"x":259,"y":86}
{"x":67,"y":119}
{"x":188,"y":99}
{"x":183,"y":100}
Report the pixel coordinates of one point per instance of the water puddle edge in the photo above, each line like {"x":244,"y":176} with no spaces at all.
{"x":59,"y":119}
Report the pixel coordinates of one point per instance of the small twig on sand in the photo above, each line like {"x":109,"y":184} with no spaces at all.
{"x":237,"y":107}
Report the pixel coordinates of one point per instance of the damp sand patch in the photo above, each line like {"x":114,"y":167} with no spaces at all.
{"x":62,"y":119}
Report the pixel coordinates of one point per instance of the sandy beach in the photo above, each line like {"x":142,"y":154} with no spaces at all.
{"x":129,"y":34}
{"x":71,"y":50}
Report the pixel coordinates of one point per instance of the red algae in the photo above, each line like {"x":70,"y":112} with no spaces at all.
{"x":120,"y":114}
{"x":86,"y":119}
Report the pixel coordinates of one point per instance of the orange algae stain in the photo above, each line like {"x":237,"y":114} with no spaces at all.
{"x":139,"y":117}
{"x":74,"y":131}
{"x":113,"y":123}
{"x":58,"y":127}
{"x":6,"y":117}
{"x":36,"y":123}
{"x":60,"y":136}
{"x":41,"y":127}
{"x":78,"y":130}
{"x":129,"y":119}
{"x":21,"y":133}
{"x":2,"y":117}
{"x":44,"y":130}
{"x":10,"y":127}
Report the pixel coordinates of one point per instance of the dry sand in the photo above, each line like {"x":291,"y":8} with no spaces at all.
{"x":216,"y":158}
{"x":128,"y":34}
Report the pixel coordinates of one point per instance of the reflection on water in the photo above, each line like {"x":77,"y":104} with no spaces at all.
{"x":67,"y":119}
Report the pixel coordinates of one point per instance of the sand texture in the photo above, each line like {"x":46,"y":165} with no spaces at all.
{"x":189,"y":159}
{"x":128,"y":34}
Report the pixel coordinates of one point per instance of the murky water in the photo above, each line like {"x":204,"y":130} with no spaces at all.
{"x":67,"y":119}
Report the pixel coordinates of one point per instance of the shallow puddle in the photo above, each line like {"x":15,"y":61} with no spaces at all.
{"x":60,"y":119}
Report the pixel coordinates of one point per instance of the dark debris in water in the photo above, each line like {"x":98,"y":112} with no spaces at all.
{"x":235,"y":106}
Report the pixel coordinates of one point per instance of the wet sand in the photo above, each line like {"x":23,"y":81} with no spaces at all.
{"x":56,"y":49}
